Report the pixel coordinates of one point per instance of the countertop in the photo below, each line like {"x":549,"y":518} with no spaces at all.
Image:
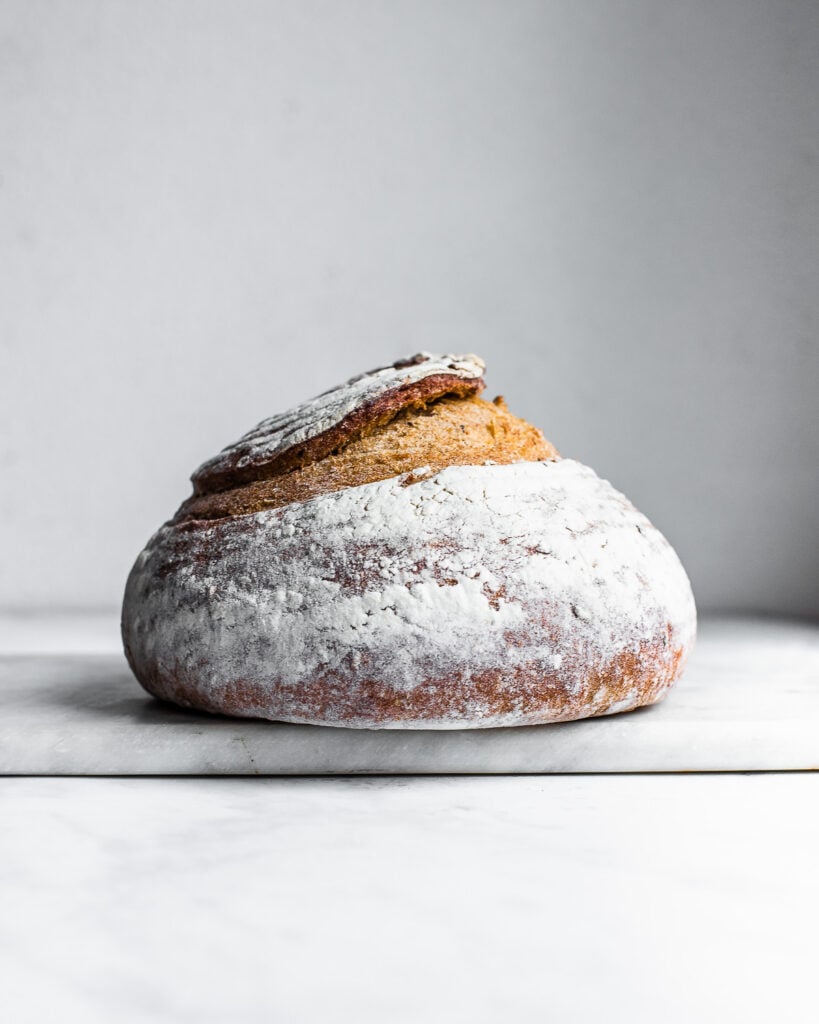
{"x":662,"y":897}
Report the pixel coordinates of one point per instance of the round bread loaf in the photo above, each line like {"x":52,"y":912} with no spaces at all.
{"x":398,"y":553}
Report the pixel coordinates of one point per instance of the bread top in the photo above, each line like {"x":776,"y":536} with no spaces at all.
{"x":416,"y":417}
{"x":323,"y":424}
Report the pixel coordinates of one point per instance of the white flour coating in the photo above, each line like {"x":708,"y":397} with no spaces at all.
{"x":314,"y":417}
{"x":530,"y":565}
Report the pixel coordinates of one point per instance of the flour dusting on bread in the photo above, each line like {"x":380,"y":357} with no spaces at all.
{"x":479,"y":596}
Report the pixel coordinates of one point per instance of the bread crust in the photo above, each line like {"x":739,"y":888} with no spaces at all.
{"x":325,"y":424}
{"x":451,"y":430}
{"x":478,"y":596}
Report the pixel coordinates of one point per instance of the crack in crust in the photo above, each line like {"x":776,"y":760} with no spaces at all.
{"x":299,"y":437}
{"x":417,"y":442}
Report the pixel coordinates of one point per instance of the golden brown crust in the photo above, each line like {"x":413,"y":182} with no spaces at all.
{"x":362,"y":421}
{"x":452,"y":431}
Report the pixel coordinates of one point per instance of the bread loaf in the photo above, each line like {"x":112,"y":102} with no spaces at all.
{"x":400,"y":553}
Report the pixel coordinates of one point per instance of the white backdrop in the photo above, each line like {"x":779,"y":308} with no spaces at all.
{"x":209,"y":211}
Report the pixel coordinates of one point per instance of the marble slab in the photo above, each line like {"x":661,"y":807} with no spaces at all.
{"x":749,"y":701}
{"x":579,"y":899}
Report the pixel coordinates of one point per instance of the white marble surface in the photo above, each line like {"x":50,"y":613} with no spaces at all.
{"x":749,"y":701}
{"x":619,"y":898}
{"x":687,"y":898}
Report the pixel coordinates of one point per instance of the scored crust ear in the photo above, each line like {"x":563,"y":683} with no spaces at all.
{"x":323,"y":425}
{"x":415,"y":444}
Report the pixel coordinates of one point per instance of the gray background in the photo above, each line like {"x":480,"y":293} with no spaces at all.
{"x":210,"y":211}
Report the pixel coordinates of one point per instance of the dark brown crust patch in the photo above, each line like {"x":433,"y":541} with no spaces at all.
{"x":360,"y":422}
